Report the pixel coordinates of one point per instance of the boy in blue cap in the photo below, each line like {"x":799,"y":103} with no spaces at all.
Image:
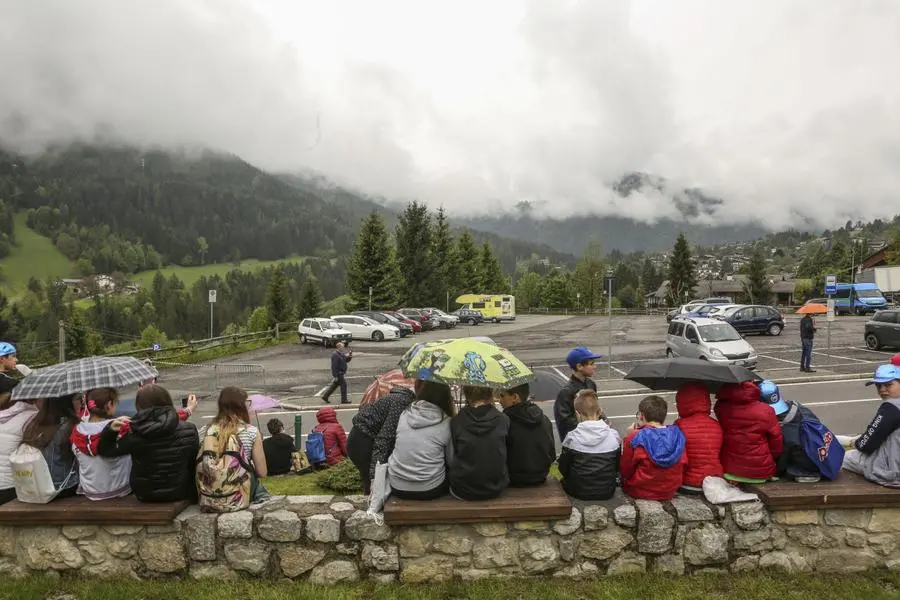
{"x":581,"y":361}
{"x":793,"y":461}
{"x":7,"y":364}
{"x":876,"y":453}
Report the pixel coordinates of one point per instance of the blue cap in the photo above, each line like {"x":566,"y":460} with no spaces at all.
{"x":885,"y":374}
{"x":7,"y":349}
{"x":580,"y":355}
{"x":771,"y":395}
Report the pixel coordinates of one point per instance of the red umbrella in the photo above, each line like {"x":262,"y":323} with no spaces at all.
{"x":384,"y":383}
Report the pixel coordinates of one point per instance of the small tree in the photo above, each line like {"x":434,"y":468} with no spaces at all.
{"x":528,"y":291}
{"x":682,"y":276}
{"x":202,"y":249}
{"x":310,"y":300}
{"x":259,"y":320}
{"x":469,"y":262}
{"x":492,"y":280}
{"x":757,"y":288}
{"x":277,"y":298}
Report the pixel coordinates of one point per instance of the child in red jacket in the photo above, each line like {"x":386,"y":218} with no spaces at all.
{"x":703,"y":435}
{"x":653,"y":457}
{"x":334,"y":434}
{"x":753,"y":438}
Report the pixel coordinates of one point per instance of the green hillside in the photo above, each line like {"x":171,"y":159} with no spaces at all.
{"x":33,"y":256}
{"x":190,"y":275}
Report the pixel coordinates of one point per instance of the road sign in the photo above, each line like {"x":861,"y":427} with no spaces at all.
{"x":212,"y":296}
{"x":609,"y":283}
{"x":157,"y":347}
{"x":830,"y":285}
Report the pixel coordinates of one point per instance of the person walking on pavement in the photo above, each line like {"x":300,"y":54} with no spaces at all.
{"x":339,"y":360}
{"x":807,"y":333}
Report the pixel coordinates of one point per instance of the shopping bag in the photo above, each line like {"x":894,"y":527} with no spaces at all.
{"x":381,"y":489}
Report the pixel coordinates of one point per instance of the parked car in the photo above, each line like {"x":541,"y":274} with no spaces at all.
{"x":715,"y":300}
{"x":327,"y":332}
{"x":883,"y":330}
{"x":754,"y":319}
{"x":386,"y":319}
{"x":709,"y":339}
{"x":414,"y":323}
{"x":683,"y":310}
{"x":424,"y":318}
{"x":446,"y":321}
{"x":469,"y":316}
{"x":364,"y":328}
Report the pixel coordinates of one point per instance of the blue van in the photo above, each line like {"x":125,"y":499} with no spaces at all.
{"x":858,"y":299}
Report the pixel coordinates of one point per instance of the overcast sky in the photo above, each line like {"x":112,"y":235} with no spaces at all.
{"x":786,"y":109}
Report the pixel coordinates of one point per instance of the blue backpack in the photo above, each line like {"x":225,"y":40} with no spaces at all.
{"x":822,"y":448}
{"x":315,"y":447}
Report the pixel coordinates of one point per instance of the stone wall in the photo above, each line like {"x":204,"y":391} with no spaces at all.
{"x":329,"y":539}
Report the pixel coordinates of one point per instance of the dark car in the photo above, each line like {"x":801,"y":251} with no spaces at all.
{"x":469,"y":316}
{"x":421,"y":316}
{"x":414,"y":323}
{"x":883,"y":330}
{"x":754,"y":319}
{"x":386,"y":319}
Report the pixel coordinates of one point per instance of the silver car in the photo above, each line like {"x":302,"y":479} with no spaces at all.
{"x":709,"y":339}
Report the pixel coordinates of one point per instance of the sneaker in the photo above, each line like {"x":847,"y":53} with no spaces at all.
{"x":808,"y":479}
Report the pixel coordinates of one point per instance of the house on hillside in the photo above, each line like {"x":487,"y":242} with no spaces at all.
{"x":75,"y":285}
{"x":731,"y":288}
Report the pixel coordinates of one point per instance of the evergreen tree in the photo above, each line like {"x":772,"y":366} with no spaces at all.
{"x":492,"y":280}
{"x":469,"y":261}
{"x":373,"y":265}
{"x":413,"y":240}
{"x":528,"y":291}
{"x":278,"y":301}
{"x":443,"y":253}
{"x":649,"y":276}
{"x":682,"y":276}
{"x":311,"y":300}
{"x":588,"y":276}
{"x":555,"y":292}
{"x":757,"y":288}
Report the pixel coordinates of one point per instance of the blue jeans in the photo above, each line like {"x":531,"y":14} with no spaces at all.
{"x":806,"y":354}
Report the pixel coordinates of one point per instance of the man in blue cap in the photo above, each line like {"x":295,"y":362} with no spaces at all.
{"x":876,"y":453}
{"x":793,"y":462}
{"x":581,"y":361}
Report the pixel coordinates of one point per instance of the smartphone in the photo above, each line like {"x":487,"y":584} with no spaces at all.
{"x":184,"y":402}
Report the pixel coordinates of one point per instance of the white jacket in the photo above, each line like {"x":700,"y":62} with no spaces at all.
{"x":101,"y":478}
{"x":13,"y":421}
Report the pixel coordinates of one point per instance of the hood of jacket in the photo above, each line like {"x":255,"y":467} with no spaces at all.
{"x":155,"y":422}
{"x":8,"y":414}
{"x":482,"y":419}
{"x":693,"y":399}
{"x":526,"y":413}
{"x":593,"y":437}
{"x":326,"y":414}
{"x":421,"y":414}
{"x":86,"y":436}
{"x":744,"y":393}
{"x":664,"y":445}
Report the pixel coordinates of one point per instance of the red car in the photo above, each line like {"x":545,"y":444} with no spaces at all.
{"x":416,"y":325}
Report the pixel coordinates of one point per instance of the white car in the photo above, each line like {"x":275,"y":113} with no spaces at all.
{"x":364,"y":328}
{"x":323,"y":331}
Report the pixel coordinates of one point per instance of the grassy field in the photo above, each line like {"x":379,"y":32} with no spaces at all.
{"x":877,"y":585}
{"x":33,"y":256}
{"x":190,"y":275}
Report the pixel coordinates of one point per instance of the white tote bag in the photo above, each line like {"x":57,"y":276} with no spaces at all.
{"x":31,"y":476}
{"x":381,"y":489}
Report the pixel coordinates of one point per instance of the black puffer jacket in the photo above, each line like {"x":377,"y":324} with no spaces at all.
{"x":379,"y":420}
{"x":163,"y":454}
{"x":530,"y":448}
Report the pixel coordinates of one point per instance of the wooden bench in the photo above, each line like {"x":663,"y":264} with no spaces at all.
{"x":849,"y":490}
{"x":539,"y":503}
{"x":78,"y":510}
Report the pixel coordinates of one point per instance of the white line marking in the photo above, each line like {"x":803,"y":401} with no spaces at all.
{"x":560,"y":373}
{"x":616,"y":370}
{"x":826,"y":402}
{"x":878,"y":352}
{"x":790,"y":362}
{"x":840,"y":357}
{"x":320,"y":392}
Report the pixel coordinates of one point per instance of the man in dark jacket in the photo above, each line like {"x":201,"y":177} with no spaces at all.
{"x":478,"y":434}
{"x":807,"y":333}
{"x":338,"y":373}
{"x":793,"y":461}
{"x":529,"y":445}
{"x":581,"y":361}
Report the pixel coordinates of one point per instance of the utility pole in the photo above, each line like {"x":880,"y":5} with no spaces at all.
{"x":212,"y":303}
{"x":62,"y":341}
{"x":609,"y":289}
{"x":370,"y":297}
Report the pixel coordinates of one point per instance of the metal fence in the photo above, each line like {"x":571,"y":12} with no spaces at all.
{"x":242,"y":375}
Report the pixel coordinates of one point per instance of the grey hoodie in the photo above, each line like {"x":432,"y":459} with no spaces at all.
{"x":422,"y":450}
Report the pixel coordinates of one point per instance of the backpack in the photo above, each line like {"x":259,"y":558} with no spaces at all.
{"x":822,"y":448}
{"x":31,"y":476}
{"x":315,"y":447}
{"x":223,"y":480}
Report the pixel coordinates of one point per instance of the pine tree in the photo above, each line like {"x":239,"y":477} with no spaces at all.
{"x":757,"y":288}
{"x":682,"y":276}
{"x":649,"y":276}
{"x":469,"y":261}
{"x":492,"y":280}
{"x":413,"y":239}
{"x":278,"y":300}
{"x":443,"y":253}
{"x":373,"y":265}
{"x":310,"y":300}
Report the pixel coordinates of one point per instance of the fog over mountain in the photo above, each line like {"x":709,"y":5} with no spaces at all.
{"x":787,"y":112}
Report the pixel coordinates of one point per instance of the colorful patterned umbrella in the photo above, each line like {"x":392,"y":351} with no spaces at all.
{"x":465,"y":361}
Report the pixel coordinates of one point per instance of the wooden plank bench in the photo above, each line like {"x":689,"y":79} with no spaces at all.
{"x":849,"y":490}
{"x":78,"y":510}
{"x":539,"y":503}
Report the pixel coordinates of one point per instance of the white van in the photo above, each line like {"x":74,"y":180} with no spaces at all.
{"x":709,"y":339}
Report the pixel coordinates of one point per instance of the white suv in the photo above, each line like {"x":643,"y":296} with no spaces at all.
{"x":364,"y":328}
{"x":709,"y":339}
{"x":324,"y":331}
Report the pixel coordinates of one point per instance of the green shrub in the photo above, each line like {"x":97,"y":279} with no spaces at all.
{"x":342,"y":478}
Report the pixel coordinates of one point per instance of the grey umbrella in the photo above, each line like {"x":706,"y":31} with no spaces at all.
{"x":670,"y":374}
{"x":77,"y":376}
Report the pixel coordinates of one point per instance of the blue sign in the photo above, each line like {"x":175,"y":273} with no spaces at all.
{"x":157,"y":347}
{"x":830,"y":285}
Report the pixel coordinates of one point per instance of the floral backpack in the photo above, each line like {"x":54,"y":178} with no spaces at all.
{"x":223,"y":479}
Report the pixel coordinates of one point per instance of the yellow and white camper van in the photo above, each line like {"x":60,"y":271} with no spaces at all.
{"x":493,"y":307}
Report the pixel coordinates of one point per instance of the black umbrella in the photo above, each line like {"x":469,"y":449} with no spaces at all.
{"x":670,"y":374}
{"x":546,"y":385}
